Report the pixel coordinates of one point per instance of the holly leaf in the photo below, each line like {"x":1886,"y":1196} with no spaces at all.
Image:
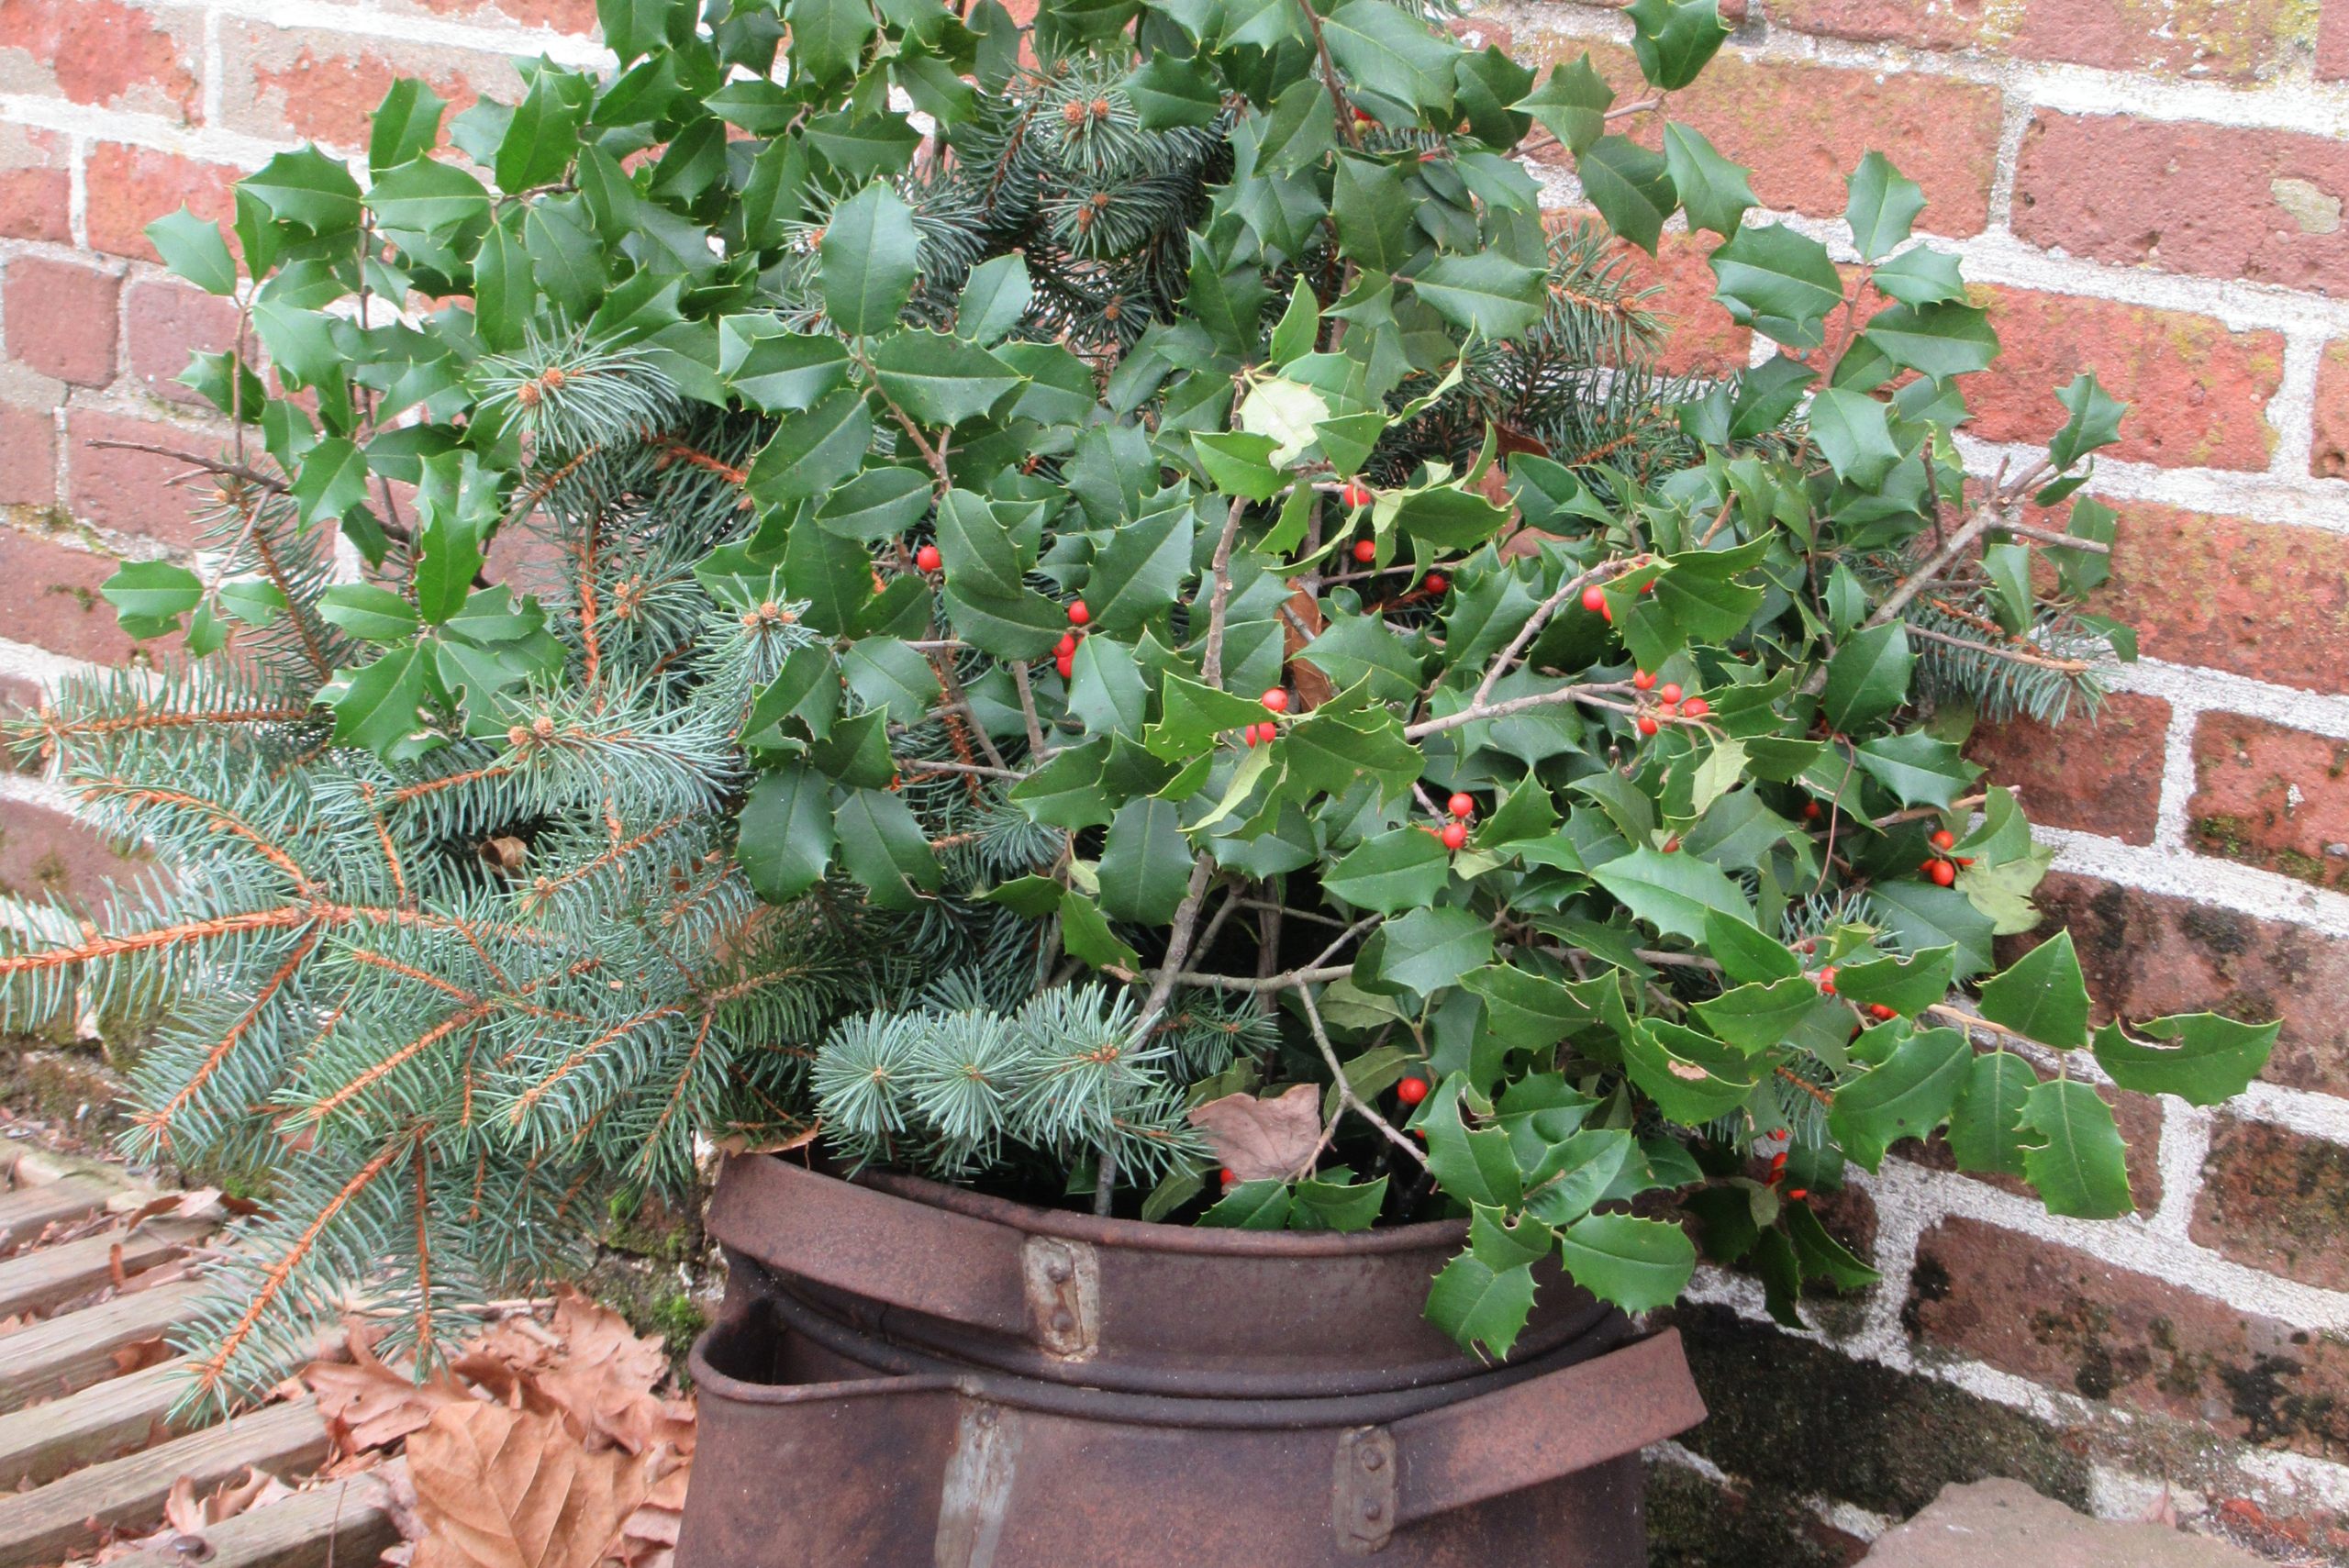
{"x":195,"y":250}
{"x":1780,"y":283}
{"x":1571,"y":105}
{"x":1487,"y":293}
{"x":1882,"y":204}
{"x":1867,"y":678}
{"x":1480,"y":1306}
{"x":940,"y":380}
{"x":1395,"y":871}
{"x":1086,"y":935}
{"x":1851,"y":429}
{"x":2082,"y":1168}
{"x":786,"y":835}
{"x":2095,"y":422}
{"x":1907,"y":1095}
{"x":1429,"y":949}
{"x":2042,"y":995}
{"x":885,"y":848}
{"x":1631,"y":187}
{"x":1755,"y":1017}
{"x":1674,"y":38}
{"x":1262,"y":1205}
{"x":1937,"y":340}
{"x":2201,"y":1058}
{"x":1637,"y":1264}
{"x":1984,"y":1127}
{"x":1169,"y":92}
{"x":1674,"y":892}
{"x":154,"y":591}
{"x":1692,"y":1078}
{"x":1145,"y":862}
{"x":1391,"y":53}
{"x":1908,"y":986}
{"x":1713,"y":191}
{"x":1473,"y":1167}
{"x":870,"y":253}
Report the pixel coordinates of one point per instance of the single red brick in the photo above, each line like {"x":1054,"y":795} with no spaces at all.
{"x":321,"y":86}
{"x":2262,"y":206}
{"x":2332,"y":42}
{"x":2232,"y":40}
{"x":165,"y":321}
{"x":36,"y":187}
{"x":2070,"y":1321}
{"x":2147,"y":954}
{"x":2329,"y":454}
{"x":2260,"y":599}
{"x":28,"y":457}
{"x":129,"y":187}
{"x":2272,"y":796}
{"x":63,"y":319}
{"x":101,"y":51}
{"x":1919,"y":23}
{"x":1803,"y":128}
{"x":47,"y":854}
{"x":2196,"y":392}
{"x":131,"y":491}
{"x":2088,"y":774}
{"x":2274,"y":1200}
{"x":48,"y":597}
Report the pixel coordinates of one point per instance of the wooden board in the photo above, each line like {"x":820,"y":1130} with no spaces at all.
{"x":26,"y":1212}
{"x":59,"y":1519}
{"x":67,"y":1354}
{"x":50,"y":1276}
{"x":345,"y":1523}
{"x":104,"y":1421}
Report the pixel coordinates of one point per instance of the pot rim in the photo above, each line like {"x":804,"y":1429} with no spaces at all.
{"x":1147,"y":1236}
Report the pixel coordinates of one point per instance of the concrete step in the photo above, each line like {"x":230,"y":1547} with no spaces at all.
{"x":2005,"y":1524}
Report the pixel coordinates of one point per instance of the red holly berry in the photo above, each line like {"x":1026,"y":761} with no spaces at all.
{"x":1362,"y":116}
{"x":1436,"y":584}
{"x":1696,"y":707}
{"x":1248,"y":735}
{"x":1644,"y":680}
{"x":1944,"y":839}
{"x":1594,"y":599}
{"x":1943,"y":872}
{"x":1797,"y":1194}
{"x":1078,"y":615}
{"x":1645,"y":725}
{"x":1667,"y":710}
{"x":1365,"y":550}
{"x":1778,"y":1163}
{"x":928,"y":558}
{"x":1276,"y":700}
{"x":1672,"y":845}
{"x":1460,"y":804}
{"x":1669,"y":690}
{"x":1354,"y":495}
{"x":1827,"y":980}
{"x":1881,"y":1013}
{"x":1269,"y":731}
{"x":1811,"y":811}
{"x":1067,"y":646}
{"x":1067,"y":667}
{"x":1648,"y":587}
{"x":1227,"y":1177}
{"x":1455,"y":835}
{"x":1411,"y":1091}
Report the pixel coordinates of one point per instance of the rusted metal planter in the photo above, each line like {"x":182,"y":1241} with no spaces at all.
{"x":913,"y":1376}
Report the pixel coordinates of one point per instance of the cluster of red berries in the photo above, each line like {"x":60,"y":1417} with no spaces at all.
{"x":1454,"y":833}
{"x":1942,"y":867}
{"x":1669,"y":703}
{"x":1267,"y":732}
{"x":1778,"y":1173}
{"x":1065,"y":655}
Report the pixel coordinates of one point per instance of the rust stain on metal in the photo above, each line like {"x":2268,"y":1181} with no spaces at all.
{"x":1064,"y":1282}
{"x":1361,"y":1493}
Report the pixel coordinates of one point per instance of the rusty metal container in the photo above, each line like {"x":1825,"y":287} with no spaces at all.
{"x":906,"y":1376}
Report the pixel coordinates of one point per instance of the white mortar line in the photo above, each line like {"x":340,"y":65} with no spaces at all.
{"x":26,"y":661}
{"x":213,"y":70}
{"x":154,"y":132}
{"x":28,"y":789}
{"x":2291,"y":413}
{"x":2303,"y":1111}
{"x":2197,"y":689}
{"x":77,"y":190}
{"x":310,"y":16}
{"x":2200,"y":878}
{"x":2185,"y":1145}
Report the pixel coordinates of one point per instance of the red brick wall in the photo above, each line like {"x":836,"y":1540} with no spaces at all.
{"x":2156,"y":194}
{"x":2154,"y":191}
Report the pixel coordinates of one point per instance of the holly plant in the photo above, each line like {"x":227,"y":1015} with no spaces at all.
{"x":1107,"y":608}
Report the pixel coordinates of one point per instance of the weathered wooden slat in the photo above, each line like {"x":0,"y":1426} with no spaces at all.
{"x":104,"y":1421}
{"x":345,"y":1522}
{"x":67,"y":1354}
{"x":58,"y":1520}
{"x":48,"y":1276}
{"x":26,"y":1211}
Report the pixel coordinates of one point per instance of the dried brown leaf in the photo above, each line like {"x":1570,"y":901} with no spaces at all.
{"x":181,"y":1509}
{"x":649,"y":1538}
{"x":1263,"y":1140}
{"x":140,"y":1355}
{"x":375,"y":1406}
{"x":500,"y":1488}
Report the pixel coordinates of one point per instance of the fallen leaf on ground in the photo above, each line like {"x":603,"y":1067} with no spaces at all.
{"x":649,"y":1538}
{"x":377,"y":1405}
{"x":140,"y":1355}
{"x":500,"y":1488}
{"x":1263,"y":1140}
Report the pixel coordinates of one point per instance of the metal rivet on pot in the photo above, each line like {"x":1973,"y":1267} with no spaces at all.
{"x":1063,"y":1321}
{"x":1057,"y":1271}
{"x":1372,"y":1509}
{"x":987,"y":1417}
{"x":190,"y":1548}
{"x":1371,"y":1458}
